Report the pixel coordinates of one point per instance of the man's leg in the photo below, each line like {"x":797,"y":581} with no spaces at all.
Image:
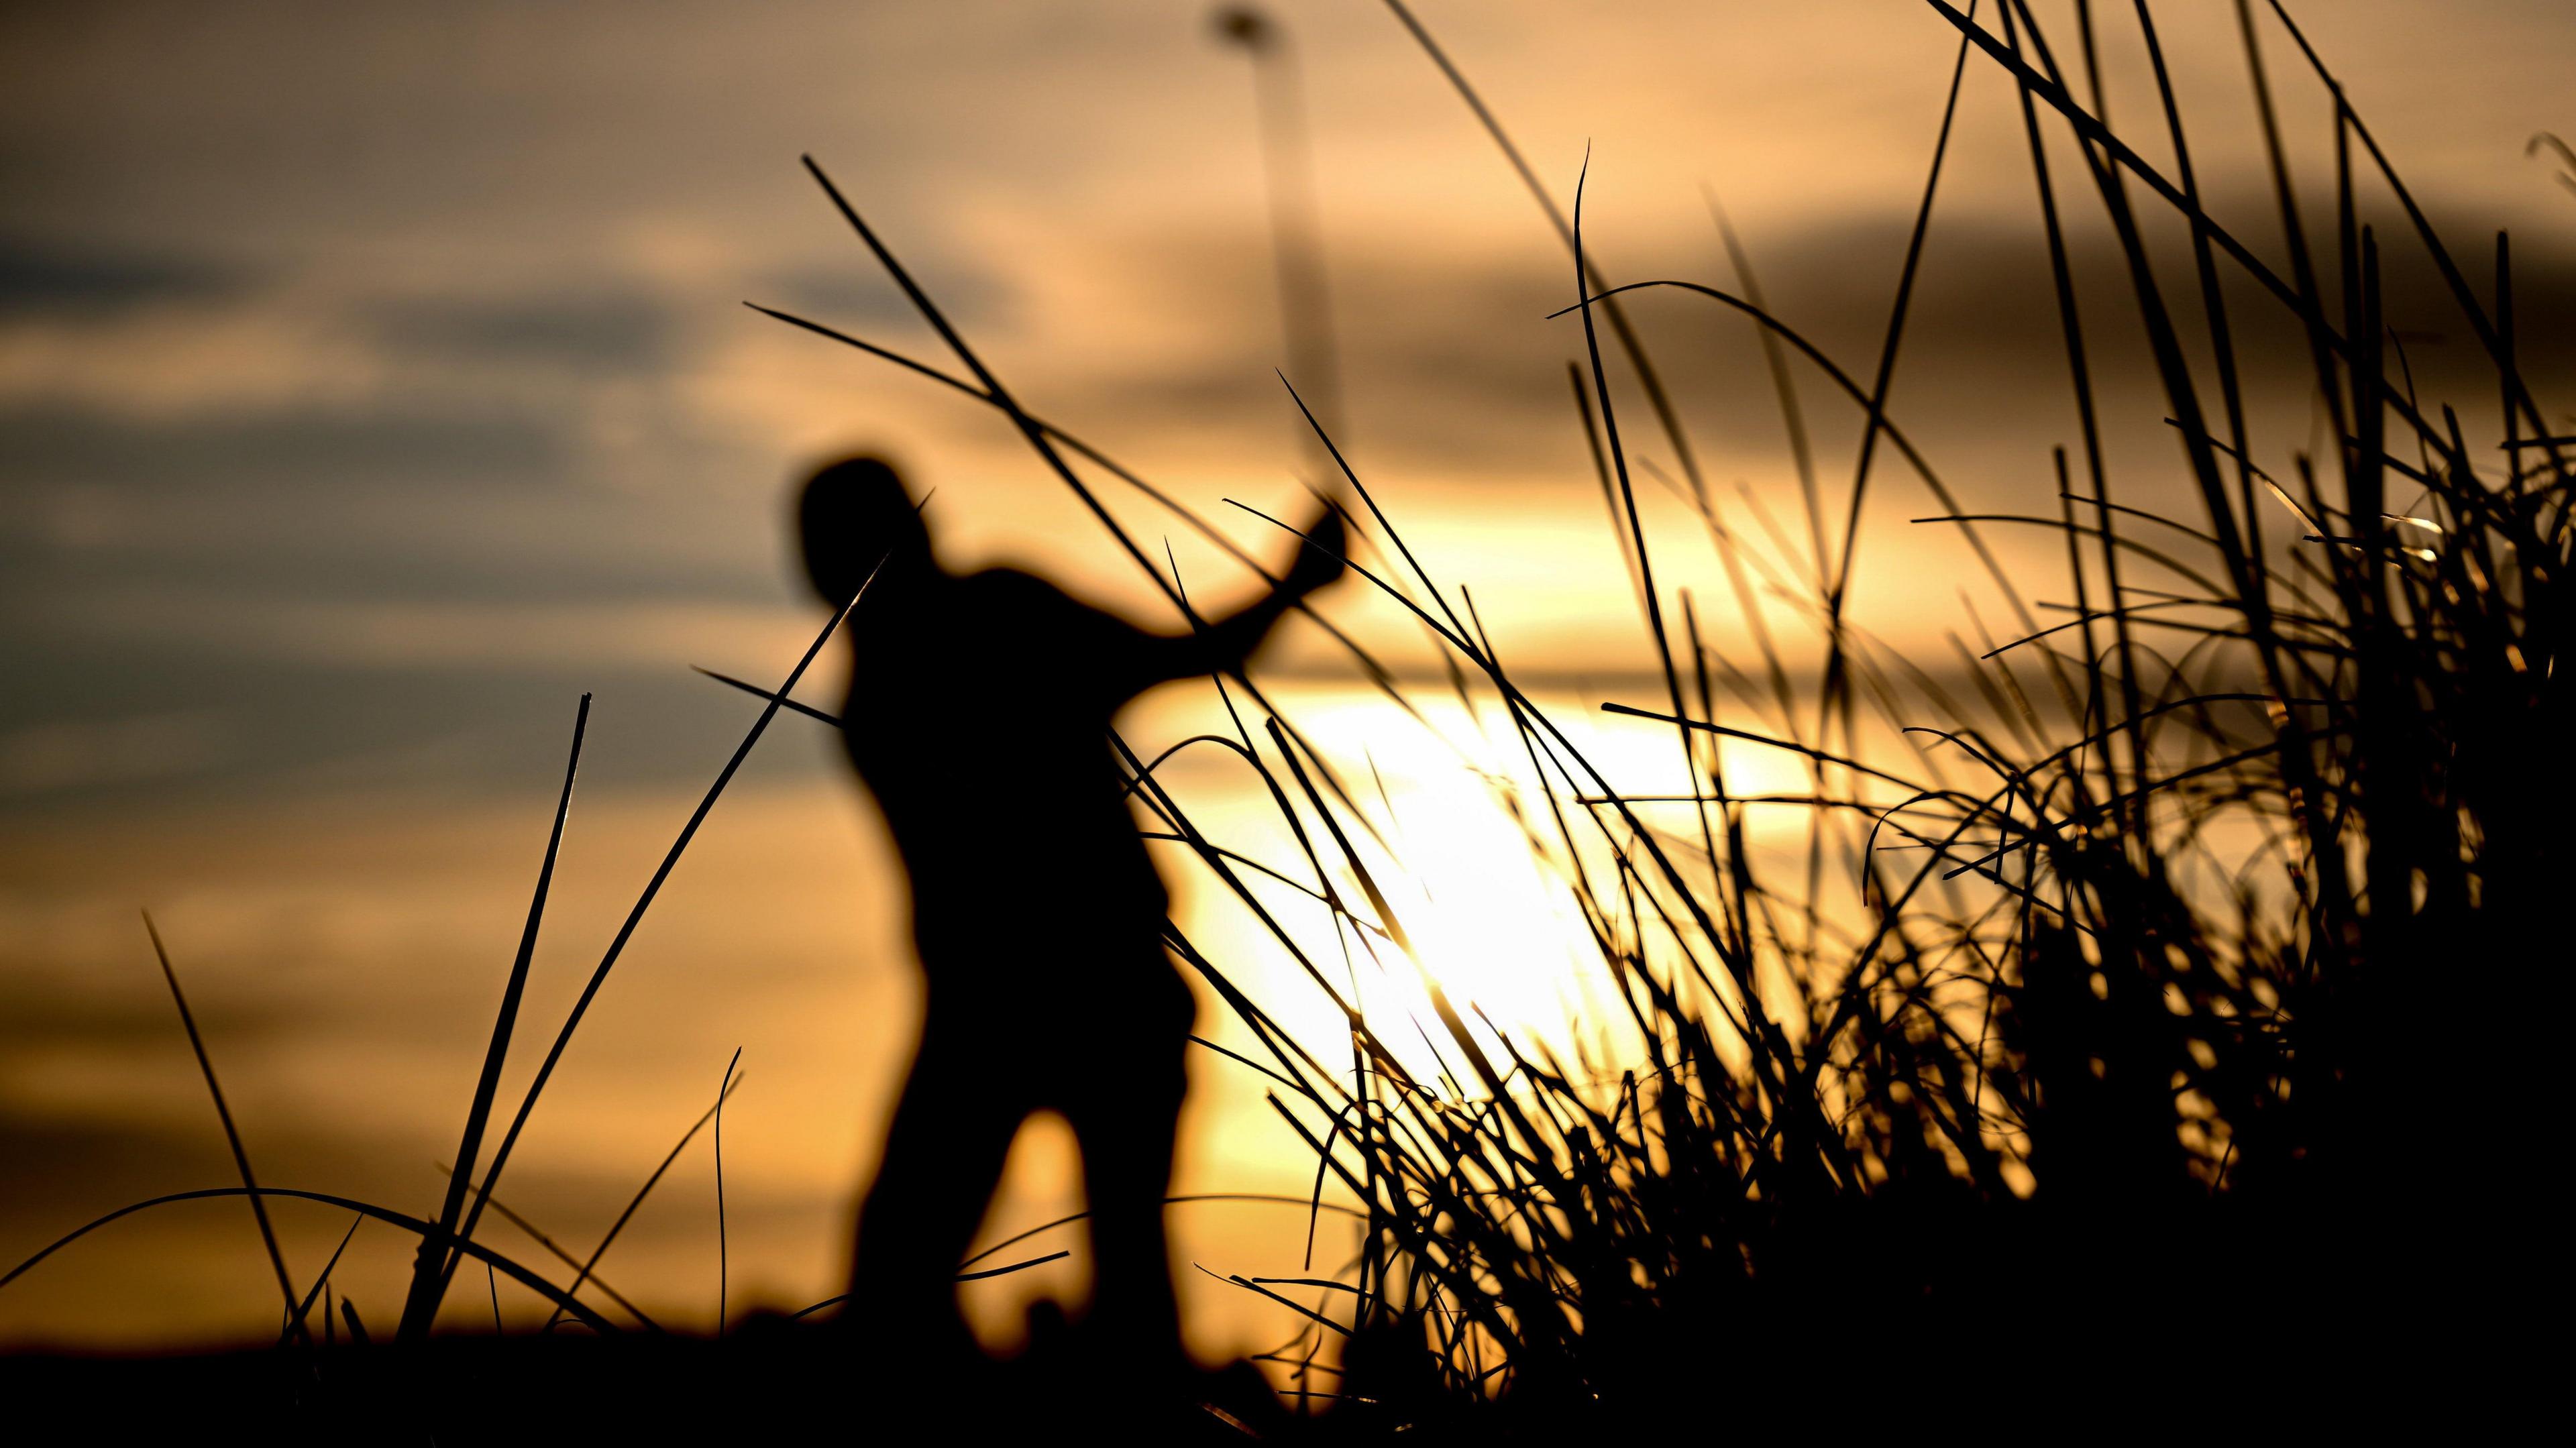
{"x":1125,"y":1120}
{"x":944,"y":1152}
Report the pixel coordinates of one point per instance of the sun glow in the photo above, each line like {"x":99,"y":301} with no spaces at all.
{"x":1450,"y":822}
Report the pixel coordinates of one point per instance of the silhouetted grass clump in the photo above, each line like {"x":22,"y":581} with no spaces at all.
{"x":2170,"y":1020}
{"x":2185,"y":1055}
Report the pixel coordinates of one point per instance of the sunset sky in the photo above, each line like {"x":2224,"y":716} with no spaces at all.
{"x":374,"y":381}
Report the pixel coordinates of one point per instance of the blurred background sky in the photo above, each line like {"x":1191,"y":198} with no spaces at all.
{"x":373,"y":381}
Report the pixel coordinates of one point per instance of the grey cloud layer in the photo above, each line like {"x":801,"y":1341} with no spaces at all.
{"x":500,"y":252}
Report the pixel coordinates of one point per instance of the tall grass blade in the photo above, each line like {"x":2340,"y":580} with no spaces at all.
{"x":232,"y":1138}
{"x":431,"y":1268}
{"x":723,"y":1254}
{"x":644,"y":902}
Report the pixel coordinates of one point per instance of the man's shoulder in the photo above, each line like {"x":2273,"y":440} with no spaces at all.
{"x":1025,"y":598}
{"x":1034,"y":607}
{"x":1011,"y":585}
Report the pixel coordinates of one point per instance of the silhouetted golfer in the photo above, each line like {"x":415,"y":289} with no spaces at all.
{"x":978,"y":716}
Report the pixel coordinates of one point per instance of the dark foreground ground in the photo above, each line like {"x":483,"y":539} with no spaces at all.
{"x":1991,"y":1380}
{"x":767,"y":1382}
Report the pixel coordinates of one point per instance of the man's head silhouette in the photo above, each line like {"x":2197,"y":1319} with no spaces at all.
{"x":851,"y":515}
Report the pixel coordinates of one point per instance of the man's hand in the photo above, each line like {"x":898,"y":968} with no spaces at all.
{"x":1319,"y":557}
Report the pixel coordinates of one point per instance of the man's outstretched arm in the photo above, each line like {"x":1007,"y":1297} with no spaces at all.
{"x":1225,"y":643}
